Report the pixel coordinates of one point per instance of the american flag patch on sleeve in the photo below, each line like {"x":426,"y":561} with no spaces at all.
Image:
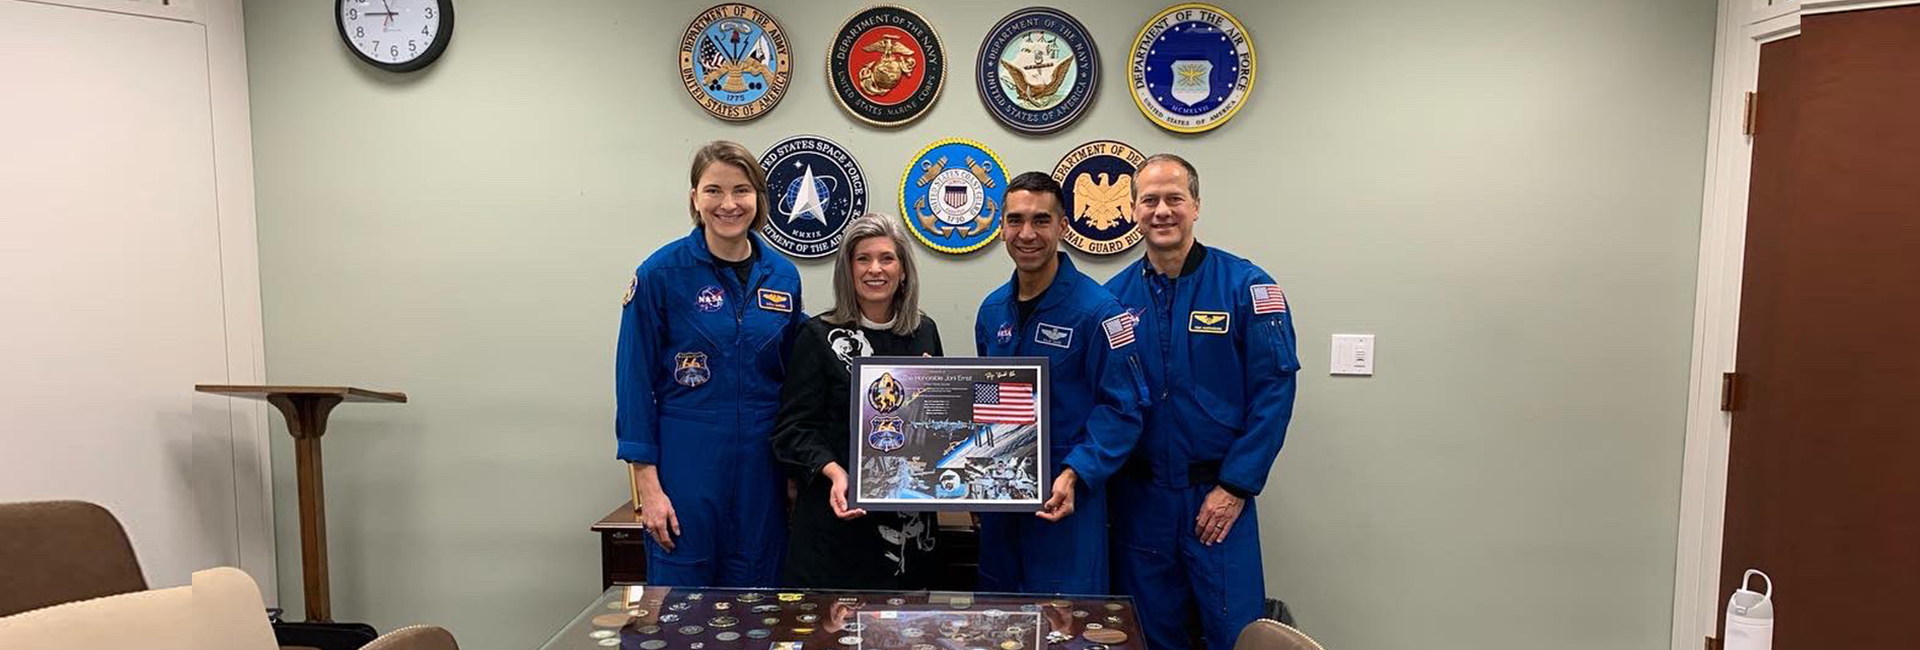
{"x":1267,"y":299}
{"x":1119,"y":330}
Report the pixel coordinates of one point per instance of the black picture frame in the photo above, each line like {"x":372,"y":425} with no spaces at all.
{"x":936,"y":422}
{"x":433,"y":52}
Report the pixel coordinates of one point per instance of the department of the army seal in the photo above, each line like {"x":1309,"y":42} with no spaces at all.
{"x":951,"y":195}
{"x":1038,"y":70}
{"x":1097,"y":179}
{"x":735,"y":62}
{"x":886,"y":65}
{"x":1191,"y":68}
{"x":815,"y":187}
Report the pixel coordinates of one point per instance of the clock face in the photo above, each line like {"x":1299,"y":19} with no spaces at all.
{"x":396,"y":35}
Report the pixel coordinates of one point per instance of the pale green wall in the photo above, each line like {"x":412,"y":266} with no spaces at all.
{"x":1506,"y":192}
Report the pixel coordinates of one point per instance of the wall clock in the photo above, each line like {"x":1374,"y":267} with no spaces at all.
{"x":395,"y":35}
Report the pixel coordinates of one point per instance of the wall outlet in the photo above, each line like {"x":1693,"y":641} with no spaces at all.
{"x":1352,"y":354}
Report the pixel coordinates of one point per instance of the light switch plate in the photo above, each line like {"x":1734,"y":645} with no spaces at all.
{"x":1352,"y":354}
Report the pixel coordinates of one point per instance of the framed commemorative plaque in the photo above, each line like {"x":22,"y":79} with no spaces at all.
{"x":944,"y":433}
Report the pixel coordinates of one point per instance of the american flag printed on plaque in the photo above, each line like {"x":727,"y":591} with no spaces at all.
{"x":1003,"y":403}
{"x":1267,"y":299}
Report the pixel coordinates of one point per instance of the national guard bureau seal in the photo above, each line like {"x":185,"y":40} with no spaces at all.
{"x":1038,"y":70}
{"x":886,"y":65}
{"x":815,"y":188}
{"x":951,"y":195}
{"x":735,"y":62}
{"x":1191,"y":68}
{"x":1097,"y":179}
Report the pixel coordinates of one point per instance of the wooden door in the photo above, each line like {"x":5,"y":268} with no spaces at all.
{"x":1823,"y":488}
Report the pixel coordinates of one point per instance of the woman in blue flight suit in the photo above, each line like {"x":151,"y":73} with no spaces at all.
{"x":704,"y":332}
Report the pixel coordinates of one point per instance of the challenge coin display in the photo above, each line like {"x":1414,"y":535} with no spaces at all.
{"x":815,"y":187}
{"x":951,"y":195}
{"x":886,"y":65}
{"x":949,"y":434}
{"x":1097,"y":179}
{"x":1191,"y":68}
{"x":1038,"y":70}
{"x":734,"y":61}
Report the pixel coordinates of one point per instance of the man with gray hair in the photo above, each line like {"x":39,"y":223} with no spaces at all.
{"x":1217,"y":342}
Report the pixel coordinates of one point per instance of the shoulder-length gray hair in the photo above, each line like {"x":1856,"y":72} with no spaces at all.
{"x":846,"y":298}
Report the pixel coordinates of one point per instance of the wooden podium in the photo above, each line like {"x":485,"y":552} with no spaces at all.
{"x":306,"y":409}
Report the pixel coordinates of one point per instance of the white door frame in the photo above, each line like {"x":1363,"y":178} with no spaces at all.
{"x":1743,"y":27}
{"x":239,"y":263}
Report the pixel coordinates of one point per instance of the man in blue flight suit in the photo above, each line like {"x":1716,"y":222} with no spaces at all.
{"x":1049,"y":309}
{"x":1217,"y":342}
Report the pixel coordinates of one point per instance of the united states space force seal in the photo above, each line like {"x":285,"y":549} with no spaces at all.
{"x":1191,"y":68}
{"x":735,"y":62}
{"x":1038,"y":70}
{"x":951,"y":195}
{"x":886,"y":65}
{"x":1097,"y":179}
{"x":815,"y":187}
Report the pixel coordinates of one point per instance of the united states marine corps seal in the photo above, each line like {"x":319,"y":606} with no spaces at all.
{"x":735,"y":62}
{"x":951,"y":195}
{"x":1191,"y":68}
{"x":1038,"y":70}
{"x":886,"y":65}
{"x":1097,"y":179}
{"x":816,"y":187}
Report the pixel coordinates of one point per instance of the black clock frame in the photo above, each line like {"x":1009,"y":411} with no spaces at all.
{"x":444,"y":35}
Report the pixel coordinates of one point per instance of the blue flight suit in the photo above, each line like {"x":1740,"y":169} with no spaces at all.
{"x":697,"y":381}
{"x":1218,"y":346}
{"x":1097,"y":390}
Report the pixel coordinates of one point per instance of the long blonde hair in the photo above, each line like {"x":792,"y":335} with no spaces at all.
{"x":732,"y":153}
{"x":846,"y":297}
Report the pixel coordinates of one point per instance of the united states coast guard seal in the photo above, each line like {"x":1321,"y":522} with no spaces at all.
{"x":1038,"y":70}
{"x":735,"y":62}
{"x":815,"y":187}
{"x":886,"y":65}
{"x":1097,"y":179}
{"x":951,"y":195}
{"x":1191,"y":68}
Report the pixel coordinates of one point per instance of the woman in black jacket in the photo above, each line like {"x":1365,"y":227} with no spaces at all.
{"x":875,"y":313}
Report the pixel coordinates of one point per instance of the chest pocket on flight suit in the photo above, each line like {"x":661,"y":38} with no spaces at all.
{"x":1219,"y":382}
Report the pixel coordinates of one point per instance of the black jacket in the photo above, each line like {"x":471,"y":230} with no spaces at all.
{"x":812,"y":428}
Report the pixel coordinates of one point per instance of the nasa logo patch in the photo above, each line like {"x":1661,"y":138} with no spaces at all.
{"x":1191,"y":68}
{"x":1038,"y":70}
{"x":886,"y":65}
{"x":735,"y":62}
{"x":710,"y":299}
{"x":1005,"y":335}
{"x":951,"y":195}
{"x":1097,"y":181}
{"x":816,"y":187}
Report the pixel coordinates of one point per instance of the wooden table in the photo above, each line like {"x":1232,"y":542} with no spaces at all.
{"x":306,"y":409}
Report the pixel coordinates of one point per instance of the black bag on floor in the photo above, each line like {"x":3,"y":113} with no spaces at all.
{"x":325,"y":636}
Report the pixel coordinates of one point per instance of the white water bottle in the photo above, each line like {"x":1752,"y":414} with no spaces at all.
{"x":1750,"y":615}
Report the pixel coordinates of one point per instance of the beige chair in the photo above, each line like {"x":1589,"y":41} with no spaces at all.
{"x":54,"y":552}
{"x":221,"y":611}
{"x":1269,"y":634}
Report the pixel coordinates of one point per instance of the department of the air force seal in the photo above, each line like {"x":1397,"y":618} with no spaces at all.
{"x":951,"y":195}
{"x":886,"y":435}
{"x":816,"y":187}
{"x":1038,"y":70}
{"x":1097,"y":179}
{"x":886,"y":65}
{"x":735,"y":62}
{"x":1191,"y":68}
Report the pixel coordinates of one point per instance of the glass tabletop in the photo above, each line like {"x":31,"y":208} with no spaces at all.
{"x":667,"y":618}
